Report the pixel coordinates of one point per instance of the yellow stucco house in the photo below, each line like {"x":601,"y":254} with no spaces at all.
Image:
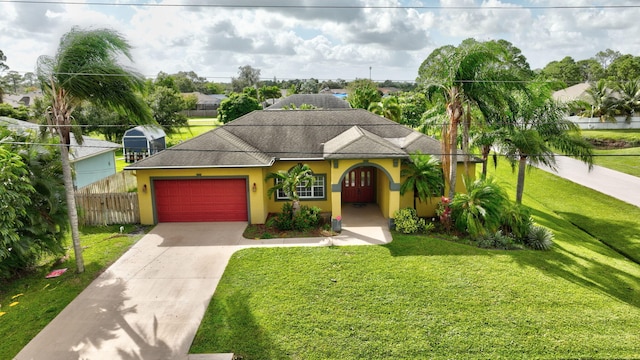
{"x":356,"y":157}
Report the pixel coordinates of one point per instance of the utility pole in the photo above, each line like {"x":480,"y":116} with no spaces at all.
{"x":369,"y":73}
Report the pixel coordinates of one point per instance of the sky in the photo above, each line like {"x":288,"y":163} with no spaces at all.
{"x":321,"y":39}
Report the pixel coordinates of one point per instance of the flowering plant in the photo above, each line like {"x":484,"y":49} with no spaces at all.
{"x":444,"y":212}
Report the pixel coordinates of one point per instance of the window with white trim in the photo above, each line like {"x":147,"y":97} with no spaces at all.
{"x":315,"y":191}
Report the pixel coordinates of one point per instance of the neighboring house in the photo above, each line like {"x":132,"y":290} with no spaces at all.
{"x":572,"y":93}
{"x":21,"y":99}
{"x":142,"y":141}
{"x":92,"y":161}
{"x":207,"y":102}
{"x":356,"y":157}
{"x":320,"y":101}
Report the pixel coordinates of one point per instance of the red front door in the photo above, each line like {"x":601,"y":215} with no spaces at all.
{"x":358,"y":186}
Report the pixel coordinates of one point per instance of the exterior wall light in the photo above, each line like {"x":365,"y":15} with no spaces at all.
{"x":254,"y":187}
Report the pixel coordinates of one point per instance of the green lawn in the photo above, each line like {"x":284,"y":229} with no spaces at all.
{"x":630,"y":135}
{"x":623,"y":160}
{"x":39,"y":300}
{"x":422,"y":297}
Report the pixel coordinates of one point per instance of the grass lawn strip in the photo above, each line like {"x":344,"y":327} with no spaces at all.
{"x":42,"y":299}
{"x":623,"y":160}
{"x":421,"y":297}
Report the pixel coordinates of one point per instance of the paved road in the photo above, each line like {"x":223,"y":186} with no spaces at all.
{"x":613,"y":183}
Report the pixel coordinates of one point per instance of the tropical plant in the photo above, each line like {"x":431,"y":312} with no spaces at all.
{"x":474,"y":74}
{"x":388,"y":107}
{"x":362,"y":92}
{"x":422,"y":174}
{"x":516,"y":221}
{"x":479,"y":210}
{"x":289,"y":181}
{"x":536,"y":130}
{"x":629,"y":98}
{"x":539,"y":238}
{"x":87,"y":67}
{"x":407,"y":221}
{"x":600,"y":102}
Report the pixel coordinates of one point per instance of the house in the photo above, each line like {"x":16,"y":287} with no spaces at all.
{"x":207,"y":102}
{"x":356,"y":157}
{"x":142,"y":141}
{"x":92,"y":161}
{"x":320,"y":101}
{"x":27,"y":99}
{"x":572,"y":93}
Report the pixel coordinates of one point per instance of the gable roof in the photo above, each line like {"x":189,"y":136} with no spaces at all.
{"x":321,"y":101}
{"x":572,"y":93}
{"x":90,"y":146}
{"x":262,"y":137}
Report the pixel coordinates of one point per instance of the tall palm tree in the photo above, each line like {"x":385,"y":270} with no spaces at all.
{"x":422,"y":175}
{"x":473,"y":75}
{"x":288,"y":182}
{"x":388,"y":107}
{"x":86,"y":67}
{"x":537,"y":130}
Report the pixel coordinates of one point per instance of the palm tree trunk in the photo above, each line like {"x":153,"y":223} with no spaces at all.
{"x":71,"y":207}
{"x":455,"y":112}
{"x":522,"y":167}
{"x":485,"y":159}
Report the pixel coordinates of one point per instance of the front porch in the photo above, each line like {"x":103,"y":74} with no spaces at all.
{"x":364,"y":221}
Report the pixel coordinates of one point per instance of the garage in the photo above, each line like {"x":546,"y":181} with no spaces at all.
{"x":200,"y":200}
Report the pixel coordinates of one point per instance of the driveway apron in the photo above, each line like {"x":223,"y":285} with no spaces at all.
{"x":149,"y":303}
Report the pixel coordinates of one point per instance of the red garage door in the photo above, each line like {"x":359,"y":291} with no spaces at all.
{"x":196,"y":200}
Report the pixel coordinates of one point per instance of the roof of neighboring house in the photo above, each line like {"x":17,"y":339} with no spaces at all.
{"x":572,"y":93}
{"x":207,"y":99}
{"x":90,"y":146}
{"x":150,"y":132}
{"x":21,"y":99}
{"x":320,"y":101}
{"x":262,"y":137}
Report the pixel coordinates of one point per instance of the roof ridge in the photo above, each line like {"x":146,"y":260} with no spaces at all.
{"x":250,"y":149}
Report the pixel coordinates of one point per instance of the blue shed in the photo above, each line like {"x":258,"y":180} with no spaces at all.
{"x":142,"y":141}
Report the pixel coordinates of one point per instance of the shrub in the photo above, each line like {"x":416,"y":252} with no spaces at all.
{"x":539,"y":238}
{"x":516,"y":221}
{"x":407,"y":222}
{"x":307,"y":218}
{"x":479,"y":210}
{"x":497,"y":240}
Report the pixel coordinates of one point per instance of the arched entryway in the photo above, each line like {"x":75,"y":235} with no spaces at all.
{"x":358,"y":185}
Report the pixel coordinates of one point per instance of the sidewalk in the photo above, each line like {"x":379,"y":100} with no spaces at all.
{"x":610,"y":182}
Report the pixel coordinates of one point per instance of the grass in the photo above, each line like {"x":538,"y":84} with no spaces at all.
{"x":39,"y":300}
{"x":629,"y":135}
{"x":623,"y":160}
{"x":423,"y":297}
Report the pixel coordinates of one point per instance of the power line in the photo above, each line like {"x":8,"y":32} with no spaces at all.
{"x":337,"y":7}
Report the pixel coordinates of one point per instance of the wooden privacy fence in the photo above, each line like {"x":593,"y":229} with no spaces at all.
{"x":120,"y":182}
{"x":108,"y":201}
{"x":108,"y":208}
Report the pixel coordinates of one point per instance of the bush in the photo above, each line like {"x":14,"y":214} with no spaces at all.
{"x":539,"y":238}
{"x":516,"y":221}
{"x":307,"y":218}
{"x":407,"y":222}
{"x":479,"y":210}
{"x":497,"y":240}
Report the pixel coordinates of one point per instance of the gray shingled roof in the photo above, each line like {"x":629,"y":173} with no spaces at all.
{"x":262,"y":137}
{"x":321,"y":101}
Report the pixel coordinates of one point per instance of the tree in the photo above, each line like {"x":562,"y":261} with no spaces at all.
{"x":13,"y":79}
{"x":422,"y":175}
{"x":99,"y":119}
{"x":606,"y":57}
{"x":600,"y":102}
{"x":362,"y":92}
{"x":86,"y":67}
{"x":538,"y":127}
{"x":43,"y":226}
{"x":189,"y":82}
{"x":629,"y":102}
{"x":479,"y":210}
{"x":166,"y":104}
{"x":247,"y":76}
{"x":3,"y":67}
{"x":289,"y":181}
{"x":310,"y":86}
{"x":269,"y":92}
{"x":388,"y":108}
{"x":474,"y":74}
{"x":413,"y":105}
{"x":565,"y":70}
{"x":235,"y":106}
{"x":590,"y":70}
{"x":624,"y":68}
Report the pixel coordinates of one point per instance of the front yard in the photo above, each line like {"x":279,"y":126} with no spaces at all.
{"x":423,"y":297}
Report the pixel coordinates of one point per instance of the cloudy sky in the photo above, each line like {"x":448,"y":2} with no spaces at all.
{"x":323,"y":39}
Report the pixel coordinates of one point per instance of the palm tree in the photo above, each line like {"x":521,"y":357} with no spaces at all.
{"x":630,"y":98}
{"x":86,"y":67}
{"x":600,"y":102}
{"x":475,"y":74}
{"x":537,"y":129}
{"x":480,"y":209}
{"x":289,"y":181}
{"x":422,"y":175}
{"x":388,"y":107}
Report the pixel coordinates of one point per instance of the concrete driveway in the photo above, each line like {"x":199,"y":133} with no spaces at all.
{"x":149,"y":303}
